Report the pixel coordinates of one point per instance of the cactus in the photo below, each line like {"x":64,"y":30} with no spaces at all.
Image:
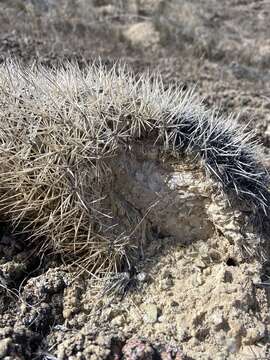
{"x":62,"y":130}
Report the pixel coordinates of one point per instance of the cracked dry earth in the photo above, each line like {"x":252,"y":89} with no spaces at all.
{"x":194,"y":299}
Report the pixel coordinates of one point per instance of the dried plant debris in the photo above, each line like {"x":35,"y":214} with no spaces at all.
{"x":62,"y":132}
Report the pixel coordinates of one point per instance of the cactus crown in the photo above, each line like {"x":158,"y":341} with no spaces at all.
{"x":59,"y":126}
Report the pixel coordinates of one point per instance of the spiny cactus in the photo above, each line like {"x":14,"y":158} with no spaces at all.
{"x":60,"y":128}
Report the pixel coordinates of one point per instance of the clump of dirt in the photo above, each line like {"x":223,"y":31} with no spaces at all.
{"x":197,"y":299}
{"x":200,"y":300}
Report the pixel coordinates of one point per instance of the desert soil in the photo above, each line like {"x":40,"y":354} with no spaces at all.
{"x":199,"y":301}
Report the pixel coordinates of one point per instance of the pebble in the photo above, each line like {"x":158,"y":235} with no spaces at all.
{"x":142,"y":34}
{"x":142,"y":277}
{"x":151,"y":313}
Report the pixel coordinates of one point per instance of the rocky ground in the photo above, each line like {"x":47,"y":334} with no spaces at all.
{"x":200,"y":301}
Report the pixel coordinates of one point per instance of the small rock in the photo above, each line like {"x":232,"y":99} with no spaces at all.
{"x":142,"y":277}
{"x":118,"y":321}
{"x":165,"y":284}
{"x":217,"y":319}
{"x":162,"y":318}
{"x":142,"y":34}
{"x":102,"y":340}
{"x":151,"y":313}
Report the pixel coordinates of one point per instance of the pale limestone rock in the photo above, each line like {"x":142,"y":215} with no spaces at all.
{"x":142,"y":34}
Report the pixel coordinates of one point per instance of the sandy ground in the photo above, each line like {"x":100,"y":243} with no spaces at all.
{"x":192,"y":302}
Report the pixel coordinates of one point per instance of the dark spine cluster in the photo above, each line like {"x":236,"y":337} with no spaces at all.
{"x":229,"y":157}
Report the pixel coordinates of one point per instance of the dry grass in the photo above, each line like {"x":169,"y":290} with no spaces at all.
{"x":213,"y":30}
